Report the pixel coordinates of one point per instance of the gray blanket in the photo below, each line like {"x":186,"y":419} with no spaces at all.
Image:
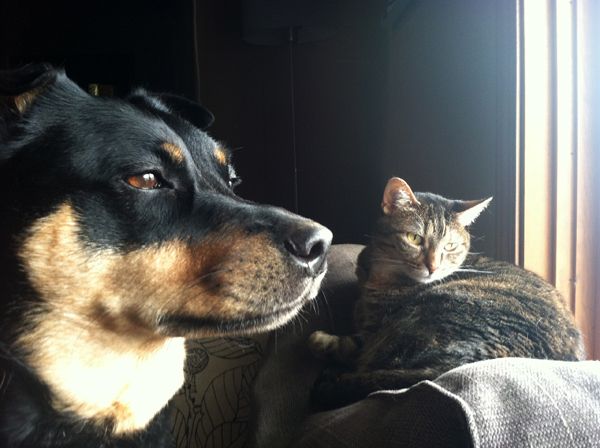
{"x":497,"y":403}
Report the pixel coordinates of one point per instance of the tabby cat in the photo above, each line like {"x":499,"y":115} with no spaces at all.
{"x":427,"y":305}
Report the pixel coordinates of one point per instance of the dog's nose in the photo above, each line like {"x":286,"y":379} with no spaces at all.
{"x":309,"y":245}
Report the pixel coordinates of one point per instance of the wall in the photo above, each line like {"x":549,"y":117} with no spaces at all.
{"x":428,"y":96}
{"x":124,"y":43}
{"x":422,"y":100}
{"x":339,"y":107}
{"x":447,"y":114}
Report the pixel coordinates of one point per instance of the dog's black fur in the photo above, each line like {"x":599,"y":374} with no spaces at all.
{"x":120,"y":235}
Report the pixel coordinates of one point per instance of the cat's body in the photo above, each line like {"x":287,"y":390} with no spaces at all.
{"x":427,"y":306}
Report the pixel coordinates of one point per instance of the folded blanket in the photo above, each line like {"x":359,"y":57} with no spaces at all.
{"x":497,"y":403}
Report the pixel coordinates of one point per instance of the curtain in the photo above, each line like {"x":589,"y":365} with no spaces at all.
{"x":558,"y":152}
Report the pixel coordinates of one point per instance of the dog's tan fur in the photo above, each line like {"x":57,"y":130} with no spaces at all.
{"x":221,"y":156}
{"x":95,"y":337}
{"x":174,"y":151}
{"x":24,"y":101}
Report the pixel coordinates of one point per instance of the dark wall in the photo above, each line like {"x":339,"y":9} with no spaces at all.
{"x":451,"y":110}
{"x":123,"y":43}
{"x":339,"y":85}
{"x":415,"y":95}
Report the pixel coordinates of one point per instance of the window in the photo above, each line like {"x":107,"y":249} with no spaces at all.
{"x":558,"y":152}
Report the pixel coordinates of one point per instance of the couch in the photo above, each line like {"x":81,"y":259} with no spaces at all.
{"x":261,"y":397}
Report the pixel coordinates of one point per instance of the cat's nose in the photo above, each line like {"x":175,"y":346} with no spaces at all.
{"x":431,"y":263}
{"x":309,"y":246}
{"x":432,"y":267}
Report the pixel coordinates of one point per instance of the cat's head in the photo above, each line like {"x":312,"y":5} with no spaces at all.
{"x":422,"y":235}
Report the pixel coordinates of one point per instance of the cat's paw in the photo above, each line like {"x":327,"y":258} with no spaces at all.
{"x":322,"y":345}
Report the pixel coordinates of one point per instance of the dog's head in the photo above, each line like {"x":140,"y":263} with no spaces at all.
{"x":122,"y":213}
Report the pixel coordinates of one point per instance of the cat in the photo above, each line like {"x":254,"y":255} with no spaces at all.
{"x":427,"y":305}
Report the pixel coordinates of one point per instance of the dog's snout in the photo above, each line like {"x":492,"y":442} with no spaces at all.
{"x":309,"y":246}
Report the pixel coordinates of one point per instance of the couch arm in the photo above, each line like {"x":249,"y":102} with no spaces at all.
{"x":498,"y":403}
{"x":282,"y":387}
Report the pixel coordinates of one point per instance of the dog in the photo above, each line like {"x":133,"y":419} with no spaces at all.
{"x":121,"y":236}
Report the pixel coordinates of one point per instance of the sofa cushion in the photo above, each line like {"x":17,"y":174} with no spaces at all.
{"x":282,"y":387}
{"x":499,"y":403}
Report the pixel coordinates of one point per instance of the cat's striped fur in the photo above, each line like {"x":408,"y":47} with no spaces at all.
{"x":429,"y":307}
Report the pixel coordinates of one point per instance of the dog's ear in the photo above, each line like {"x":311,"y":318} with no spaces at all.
{"x":191,"y":111}
{"x":20,"y":87}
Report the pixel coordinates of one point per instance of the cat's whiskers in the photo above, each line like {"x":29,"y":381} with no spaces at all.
{"x":477,"y":271}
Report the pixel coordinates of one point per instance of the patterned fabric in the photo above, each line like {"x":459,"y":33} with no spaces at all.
{"x":213,"y":407}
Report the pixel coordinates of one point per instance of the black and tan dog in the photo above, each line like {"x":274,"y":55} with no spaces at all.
{"x":121,"y":236}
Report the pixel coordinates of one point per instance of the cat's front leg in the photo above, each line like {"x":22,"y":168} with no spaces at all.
{"x":330,"y":347}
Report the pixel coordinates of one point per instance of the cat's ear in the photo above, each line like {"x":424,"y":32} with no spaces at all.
{"x":468,"y":211}
{"x":397,"y":194}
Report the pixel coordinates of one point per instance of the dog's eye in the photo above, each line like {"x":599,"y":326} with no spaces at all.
{"x":145,"y":181}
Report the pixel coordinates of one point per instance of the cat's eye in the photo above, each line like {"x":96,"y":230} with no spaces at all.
{"x":449,"y":247}
{"x":413,"y":238}
{"x":145,"y":181}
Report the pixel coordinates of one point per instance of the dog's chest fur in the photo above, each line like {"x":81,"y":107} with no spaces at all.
{"x":104,"y":385}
